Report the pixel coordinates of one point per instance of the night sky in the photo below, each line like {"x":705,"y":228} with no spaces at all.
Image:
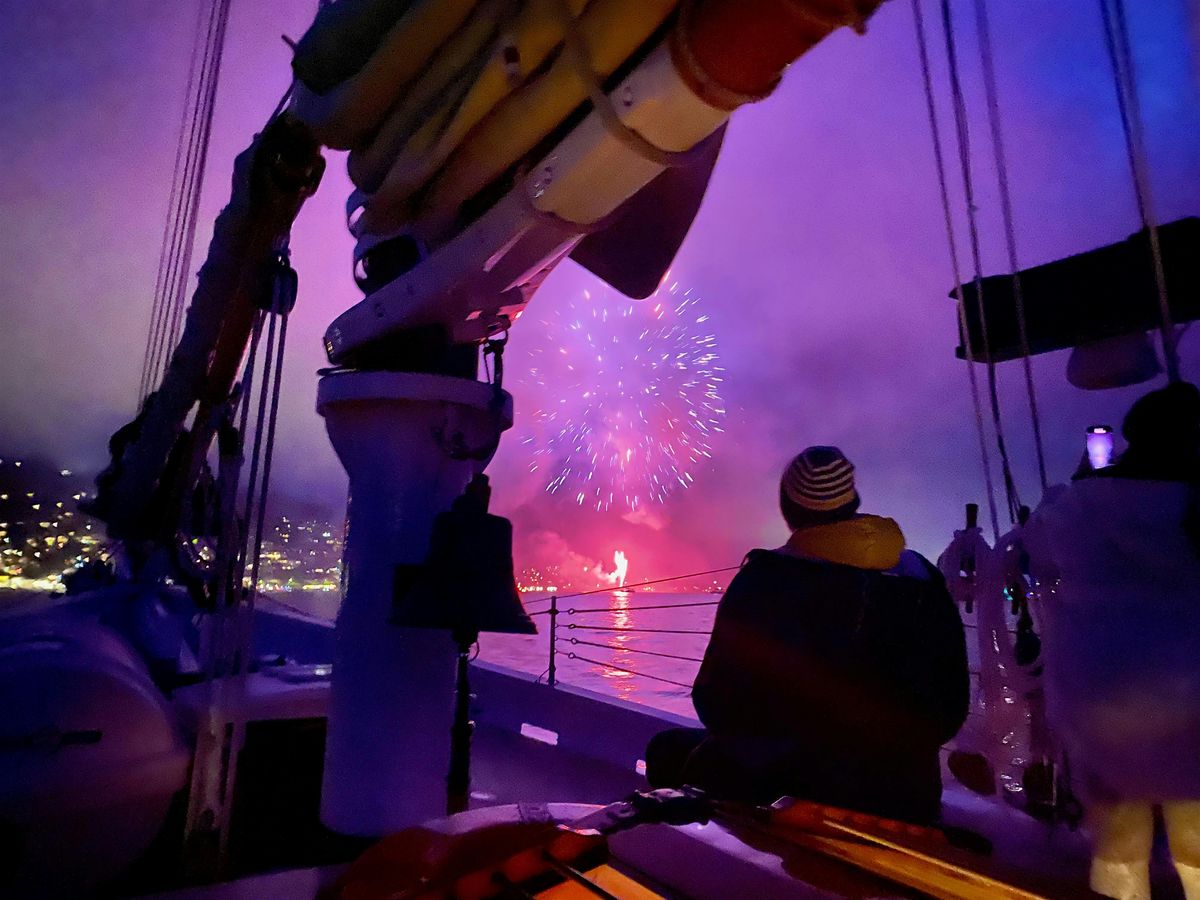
{"x":819,"y":254}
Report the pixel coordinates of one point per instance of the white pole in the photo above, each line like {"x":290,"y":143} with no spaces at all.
{"x":410,"y":443}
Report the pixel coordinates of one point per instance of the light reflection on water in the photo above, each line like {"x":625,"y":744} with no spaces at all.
{"x":619,"y":648}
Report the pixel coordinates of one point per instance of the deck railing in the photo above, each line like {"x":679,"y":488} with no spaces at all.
{"x":570,"y":639}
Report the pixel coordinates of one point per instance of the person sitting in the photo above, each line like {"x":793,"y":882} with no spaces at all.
{"x":836,"y":669}
{"x":1117,"y":561}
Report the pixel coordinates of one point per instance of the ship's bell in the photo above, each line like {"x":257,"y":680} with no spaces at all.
{"x":467,"y":584}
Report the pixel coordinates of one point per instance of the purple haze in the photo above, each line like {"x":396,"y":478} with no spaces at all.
{"x":819,"y":252}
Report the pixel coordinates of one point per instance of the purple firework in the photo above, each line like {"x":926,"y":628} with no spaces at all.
{"x":629,"y":396}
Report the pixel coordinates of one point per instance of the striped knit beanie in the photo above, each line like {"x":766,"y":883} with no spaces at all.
{"x":821,"y":480}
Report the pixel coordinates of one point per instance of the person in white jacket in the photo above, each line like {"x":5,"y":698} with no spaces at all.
{"x":1117,"y":558}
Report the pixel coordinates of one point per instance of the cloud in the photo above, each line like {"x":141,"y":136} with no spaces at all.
{"x":648,"y":516}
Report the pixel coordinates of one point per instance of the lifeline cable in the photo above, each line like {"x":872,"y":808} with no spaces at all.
{"x":616,"y":668}
{"x":591,"y":609}
{"x":638,"y":584}
{"x":581,"y":641}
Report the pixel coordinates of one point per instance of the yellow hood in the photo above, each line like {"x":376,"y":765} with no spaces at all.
{"x":866,"y":542}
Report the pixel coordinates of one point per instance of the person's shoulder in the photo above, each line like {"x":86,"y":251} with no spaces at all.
{"x":913,"y":565}
{"x":761,"y":568}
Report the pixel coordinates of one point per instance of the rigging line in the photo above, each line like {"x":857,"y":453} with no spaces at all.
{"x":193,"y":212}
{"x":256,"y":453}
{"x":940,"y":165}
{"x":167,"y":249}
{"x":283,"y":102}
{"x":695,"y":659}
{"x":177,"y":221}
{"x":165,"y":255}
{"x":244,"y":634}
{"x":1120,"y":54}
{"x":194,"y":178}
{"x":964,"y":157}
{"x":987,"y":58}
{"x":268,"y":455}
{"x":186,"y":178}
{"x":247,"y":388}
{"x":638,"y":584}
{"x":248,"y":376}
{"x":597,"y":662}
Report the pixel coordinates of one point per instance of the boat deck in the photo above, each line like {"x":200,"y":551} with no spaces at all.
{"x":535,"y":744}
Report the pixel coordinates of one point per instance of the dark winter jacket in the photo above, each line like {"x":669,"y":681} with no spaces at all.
{"x":837,"y":683}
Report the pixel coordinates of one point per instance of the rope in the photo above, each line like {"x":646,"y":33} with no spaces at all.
{"x":964,"y":157}
{"x":630,"y":649}
{"x":1116,"y":38}
{"x":268,"y":455}
{"x":166,"y":256}
{"x":993,"y":103}
{"x":248,"y":379}
{"x":573,"y":626}
{"x":183,"y":216}
{"x":597,"y":609}
{"x":940,"y":164}
{"x":256,"y":453}
{"x":597,"y":662}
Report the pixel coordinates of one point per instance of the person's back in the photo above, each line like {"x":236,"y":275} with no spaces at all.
{"x":1118,"y":565}
{"x":837,"y":665}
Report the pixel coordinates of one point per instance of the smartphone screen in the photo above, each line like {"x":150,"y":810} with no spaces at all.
{"x":1100,"y":446}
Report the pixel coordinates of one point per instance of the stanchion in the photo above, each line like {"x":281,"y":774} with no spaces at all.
{"x":551,"y":673}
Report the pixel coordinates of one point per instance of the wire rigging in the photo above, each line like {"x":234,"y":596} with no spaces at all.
{"x":183,"y":206}
{"x":940,"y":165}
{"x":167,"y":251}
{"x":983,"y":31}
{"x":963,"y":135}
{"x":1116,"y":39}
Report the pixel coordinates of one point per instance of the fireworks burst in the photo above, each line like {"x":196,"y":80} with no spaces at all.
{"x":630,"y":394}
